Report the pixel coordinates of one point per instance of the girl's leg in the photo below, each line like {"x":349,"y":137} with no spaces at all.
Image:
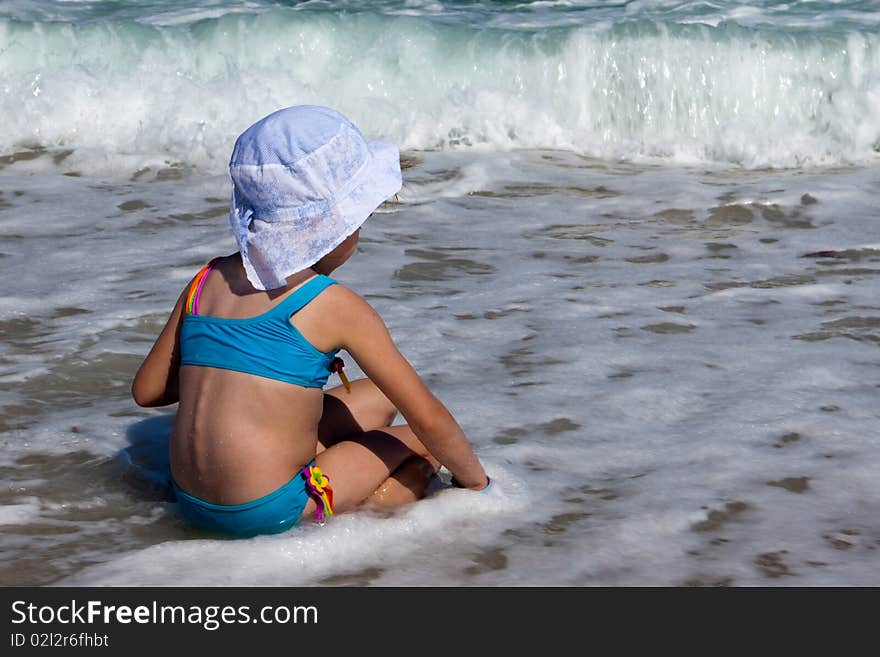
{"x":359,"y":469}
{"x":345,"y":414}
{"x":406,"y":484}
{"x":364,"y":409}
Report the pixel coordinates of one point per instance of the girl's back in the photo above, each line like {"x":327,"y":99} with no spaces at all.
{"x":239,"y":435}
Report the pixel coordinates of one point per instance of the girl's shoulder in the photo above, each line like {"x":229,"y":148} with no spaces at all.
{"x":227,"y":263}
{"x":345,"y":302}
{"x":344,"y":314}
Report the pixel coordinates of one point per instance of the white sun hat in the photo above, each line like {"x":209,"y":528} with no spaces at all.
{"x":303,"y":179}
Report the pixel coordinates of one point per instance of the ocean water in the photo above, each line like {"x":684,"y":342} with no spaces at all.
{"x":636,"y":254}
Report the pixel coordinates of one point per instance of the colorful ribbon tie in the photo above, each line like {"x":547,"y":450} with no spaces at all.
{"x":336,"y":366}
{"x":318,"y":487}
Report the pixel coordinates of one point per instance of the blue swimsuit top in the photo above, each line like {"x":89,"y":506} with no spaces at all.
{"x":267,"y":345}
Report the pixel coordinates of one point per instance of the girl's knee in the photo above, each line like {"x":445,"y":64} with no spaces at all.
{"x":380,"y":407}
{"x":406,"y":484}
{"x":424,"y":468}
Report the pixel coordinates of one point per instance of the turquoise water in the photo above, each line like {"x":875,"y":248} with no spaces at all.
{"x":125,"y":85}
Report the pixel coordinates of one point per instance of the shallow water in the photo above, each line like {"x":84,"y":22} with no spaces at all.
{"x":670,"y":371}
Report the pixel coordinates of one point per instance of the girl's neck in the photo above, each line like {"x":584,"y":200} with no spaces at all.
{"x":239,"y":284}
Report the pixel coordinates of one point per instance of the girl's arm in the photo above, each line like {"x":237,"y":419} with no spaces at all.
{"x":364,"y":335}
{"x":155,"y":383}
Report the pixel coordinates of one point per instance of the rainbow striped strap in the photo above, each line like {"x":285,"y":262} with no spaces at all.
{"x":192,"y":300}
{"x":318,"y":488}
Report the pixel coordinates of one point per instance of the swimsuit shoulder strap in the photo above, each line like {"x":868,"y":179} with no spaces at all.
{"x":195,"y":289}
{"x":303,"y":295}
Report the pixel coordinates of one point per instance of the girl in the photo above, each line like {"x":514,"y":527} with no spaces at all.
{"x":252,"y":340}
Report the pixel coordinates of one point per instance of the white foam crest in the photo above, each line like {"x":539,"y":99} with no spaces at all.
{"x":540,"y":14}
{"x":124,"y":95}
{"x":302,"y":556}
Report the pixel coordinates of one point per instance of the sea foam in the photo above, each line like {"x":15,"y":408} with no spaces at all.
{"x":119,"y":96}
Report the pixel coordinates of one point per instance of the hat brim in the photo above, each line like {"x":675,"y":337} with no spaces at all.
{"x":380,"y":181}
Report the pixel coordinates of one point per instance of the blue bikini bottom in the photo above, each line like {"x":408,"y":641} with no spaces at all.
{"x":273,"y":513}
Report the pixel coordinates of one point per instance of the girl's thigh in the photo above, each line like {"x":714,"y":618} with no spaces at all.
{"x":357,"y":466}
{"x":345,"y":413}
